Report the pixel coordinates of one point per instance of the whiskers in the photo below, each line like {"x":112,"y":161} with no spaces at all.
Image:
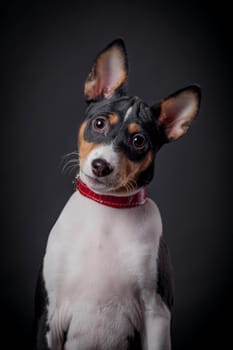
{"x":127,"y":185}
{"x":70,"y":163}
{"x":130,"y":185}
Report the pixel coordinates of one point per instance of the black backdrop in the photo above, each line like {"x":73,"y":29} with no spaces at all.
{"x":46,"y":52}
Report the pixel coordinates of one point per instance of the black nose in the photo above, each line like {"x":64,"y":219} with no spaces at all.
{"x":101,"y":167}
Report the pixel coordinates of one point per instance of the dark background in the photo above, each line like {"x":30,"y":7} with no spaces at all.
{"x":46,"y":52}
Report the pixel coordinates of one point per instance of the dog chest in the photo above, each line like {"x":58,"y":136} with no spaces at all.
{"x":97,"y":261}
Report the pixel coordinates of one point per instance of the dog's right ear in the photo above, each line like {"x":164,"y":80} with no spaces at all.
{"x":109,"y":73}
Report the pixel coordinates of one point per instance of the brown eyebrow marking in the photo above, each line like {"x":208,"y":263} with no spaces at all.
{"x":133,"y":127}
{"x":113,"y":119}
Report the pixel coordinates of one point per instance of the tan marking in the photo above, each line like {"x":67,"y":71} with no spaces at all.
{"x":130,"y":171}
{"x":113,"y":119}
{"x":81,"y":131}
{"x":133,"y":128}
{"x":84,"y":147}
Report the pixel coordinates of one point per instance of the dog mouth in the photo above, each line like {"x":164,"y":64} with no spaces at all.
{"x":96,"y":183}
{"x":108,"y":185}
{"x":94,"y":180}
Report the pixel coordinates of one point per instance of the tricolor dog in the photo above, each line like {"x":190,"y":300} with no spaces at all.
{"x":105,"y":282}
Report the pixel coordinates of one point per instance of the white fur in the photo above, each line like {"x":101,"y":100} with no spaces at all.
{"x":100,"y":273}
{"x":127,"y":113}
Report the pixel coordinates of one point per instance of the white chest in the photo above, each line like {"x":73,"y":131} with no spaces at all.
{"x":97,"y":262}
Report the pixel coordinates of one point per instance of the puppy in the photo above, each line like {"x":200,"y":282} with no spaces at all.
{"x":105,"y":282}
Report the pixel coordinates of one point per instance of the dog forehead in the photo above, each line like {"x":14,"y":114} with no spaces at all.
{"x":126,"y":107}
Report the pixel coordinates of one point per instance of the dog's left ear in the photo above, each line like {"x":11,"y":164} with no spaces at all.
{"x":109,"y":72}
{"x":176,"y":112}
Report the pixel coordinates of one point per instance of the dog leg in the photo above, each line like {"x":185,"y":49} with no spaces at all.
{"x":157,"y":333}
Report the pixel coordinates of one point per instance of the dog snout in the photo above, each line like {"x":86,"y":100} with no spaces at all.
{"x":100,"y":167}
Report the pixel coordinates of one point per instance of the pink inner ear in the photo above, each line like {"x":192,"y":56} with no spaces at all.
{"x":177,"y":112}
{"x":110,"y":73}
{"x":113,"y":78}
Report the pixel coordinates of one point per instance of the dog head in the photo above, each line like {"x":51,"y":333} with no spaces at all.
{"x":121,"y":134}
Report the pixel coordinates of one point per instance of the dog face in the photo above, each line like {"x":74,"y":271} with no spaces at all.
{"x":121,"y":135}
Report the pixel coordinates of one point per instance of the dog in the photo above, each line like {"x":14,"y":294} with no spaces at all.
{"x":106,"y":281}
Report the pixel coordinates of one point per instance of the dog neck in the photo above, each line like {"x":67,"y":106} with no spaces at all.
{"x":115,"y":201}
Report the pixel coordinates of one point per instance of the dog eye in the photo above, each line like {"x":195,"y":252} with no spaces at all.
{"x":138,"y":141}
{"x":100,"y":125}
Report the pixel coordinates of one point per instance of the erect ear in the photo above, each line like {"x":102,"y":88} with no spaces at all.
{"x":177,"y":112}
{"x":108,"y":73}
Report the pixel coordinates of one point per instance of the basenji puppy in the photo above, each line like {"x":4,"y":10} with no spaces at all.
{"x":105,"y":282}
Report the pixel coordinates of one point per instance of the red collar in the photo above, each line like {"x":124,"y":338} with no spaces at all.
{"x":131,"y":201}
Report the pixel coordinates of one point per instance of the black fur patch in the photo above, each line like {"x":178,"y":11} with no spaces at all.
{"x":146,"y":176}
{"x":165,"y":283}
{"x":134,"y":343}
